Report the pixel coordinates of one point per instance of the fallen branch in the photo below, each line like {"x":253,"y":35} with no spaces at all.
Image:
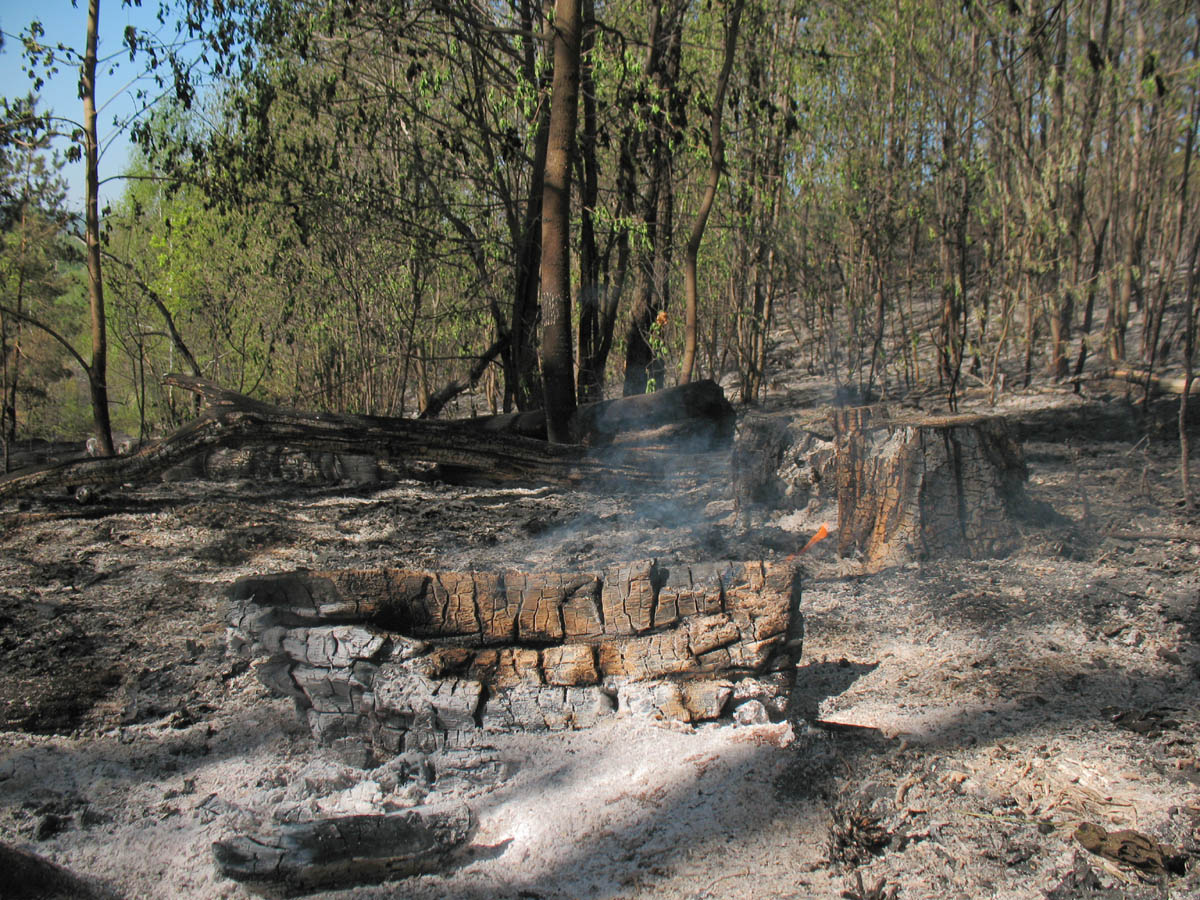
{"x":230,"y":419}
{"x":1124,"y":535}
{"x":1161,"y":384}
{"x":345,"y":851}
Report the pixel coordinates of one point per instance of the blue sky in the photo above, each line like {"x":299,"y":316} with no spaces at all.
{"x":117,"y":80}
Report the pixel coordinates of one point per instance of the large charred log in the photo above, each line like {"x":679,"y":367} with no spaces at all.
{"x":416,"y":661}
{"x":701,"y":406}
{"x":343,"y":851}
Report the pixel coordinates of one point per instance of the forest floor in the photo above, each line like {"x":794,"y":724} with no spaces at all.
{"x":954,"y":720}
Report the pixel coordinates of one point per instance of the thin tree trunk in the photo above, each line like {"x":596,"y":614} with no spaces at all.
{"x":717,"y":162}
{"x":558,"y":374}
{"x":591,"y":361}
{"x":98,"y":369}
{"x":522,"y":386}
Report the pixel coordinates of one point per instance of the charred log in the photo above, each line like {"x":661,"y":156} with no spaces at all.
{"x":346,"y":850}
{"x":701,"y":406}
{"x":413,"y":660}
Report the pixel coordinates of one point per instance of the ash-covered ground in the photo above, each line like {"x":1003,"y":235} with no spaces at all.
{"x":954,"y":720}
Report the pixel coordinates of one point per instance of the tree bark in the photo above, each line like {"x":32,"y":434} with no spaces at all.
{"x":558,"y":364}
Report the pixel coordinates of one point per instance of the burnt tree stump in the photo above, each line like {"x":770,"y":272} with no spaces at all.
{"x":921,"y":487}
{"x":416,"y":660}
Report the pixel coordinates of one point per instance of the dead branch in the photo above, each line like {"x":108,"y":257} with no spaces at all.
{"x":230,"y":419}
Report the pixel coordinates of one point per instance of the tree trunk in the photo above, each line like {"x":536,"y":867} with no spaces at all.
{"x":593,"y":353}
{"x":522,"y":383}
{"x":97,"y":372}
{"x":716,"y":163}
{"x":558,"y":363}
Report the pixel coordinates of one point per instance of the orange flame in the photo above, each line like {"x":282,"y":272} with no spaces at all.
{"x":822,"y":533}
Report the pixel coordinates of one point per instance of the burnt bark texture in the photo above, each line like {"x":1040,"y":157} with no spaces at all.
{"x":913,"y":488}
{"x":420,"y":660}
{"x":783,"y":463}
{"x":345,"y":850}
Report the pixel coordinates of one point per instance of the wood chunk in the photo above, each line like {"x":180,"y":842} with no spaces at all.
{"x":497,"y":613}
{"x":507,"y":666}
{"x":345,"y":850}
{"x":706,"y":699}
{"x":452,"y":702}
{"x":654,"y":700}
{"x":628,"y":597}
{"x":653,"y":656}
{"x":332,"y":645}
{"x":532,"y":707}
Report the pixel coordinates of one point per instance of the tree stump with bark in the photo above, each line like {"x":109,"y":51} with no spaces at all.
{"x":414,"y":660}
{"x":926,"y":487}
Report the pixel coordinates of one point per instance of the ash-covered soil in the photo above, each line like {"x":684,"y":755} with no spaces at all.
{"x":954,"y":720}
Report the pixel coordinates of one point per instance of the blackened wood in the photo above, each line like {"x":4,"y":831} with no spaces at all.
{"x":345,"y":850}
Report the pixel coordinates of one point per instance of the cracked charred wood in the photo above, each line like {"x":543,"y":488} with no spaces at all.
{"x":912,"y":488}
{"x":230,"y":419}
{"x":345,"y":850}
{"x":415,"y":660}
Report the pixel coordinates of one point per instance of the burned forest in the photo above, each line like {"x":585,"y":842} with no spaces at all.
{"x":600,"y":450}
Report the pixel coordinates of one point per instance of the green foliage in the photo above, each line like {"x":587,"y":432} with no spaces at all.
{"x":349,"y":219}
{"x":41,"y":294}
